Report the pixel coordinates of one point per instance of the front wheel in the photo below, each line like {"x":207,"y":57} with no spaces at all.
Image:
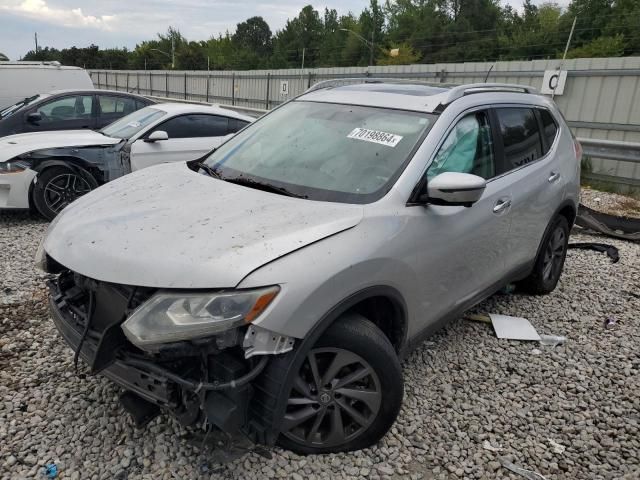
{"x":347,"y":392}
{"x":550,"y":262}
{"x":57,"y":187}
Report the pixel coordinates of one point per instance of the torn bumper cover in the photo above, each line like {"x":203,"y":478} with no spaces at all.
{"x":205,"y":382}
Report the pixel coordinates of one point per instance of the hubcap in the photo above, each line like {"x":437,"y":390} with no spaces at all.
{"x":554,"y":255}
{"x":336,"y":395}
{"x":64,"y":189}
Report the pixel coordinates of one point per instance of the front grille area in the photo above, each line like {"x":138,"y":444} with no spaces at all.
{"x":71,"y":293}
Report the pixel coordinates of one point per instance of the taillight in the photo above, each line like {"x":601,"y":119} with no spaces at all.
{"x":577,"y":148}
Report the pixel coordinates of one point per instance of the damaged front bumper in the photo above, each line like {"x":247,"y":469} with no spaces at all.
{"x":205,"y":383}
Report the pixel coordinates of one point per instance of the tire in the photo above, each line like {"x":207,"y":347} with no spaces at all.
{"x":330,"y":407}
{"x":58,"y":186}
{"x":550,"y":261}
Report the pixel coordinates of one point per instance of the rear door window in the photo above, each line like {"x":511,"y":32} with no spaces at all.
{"x":111,"y":104}
{"x":113,"y":107}
{"x":520,"y":136}
{"x":198,"y":125}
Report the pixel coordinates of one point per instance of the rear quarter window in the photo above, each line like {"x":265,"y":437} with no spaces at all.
{"x":549,"y":129}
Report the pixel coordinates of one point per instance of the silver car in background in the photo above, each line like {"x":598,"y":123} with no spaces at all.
{"x":271,"y":289}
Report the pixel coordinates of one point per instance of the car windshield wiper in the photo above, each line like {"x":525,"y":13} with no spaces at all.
{"x":210,"y":170}
{"x":267,"y":187}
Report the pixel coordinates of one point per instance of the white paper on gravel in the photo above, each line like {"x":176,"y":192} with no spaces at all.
{"x":513,"y":328}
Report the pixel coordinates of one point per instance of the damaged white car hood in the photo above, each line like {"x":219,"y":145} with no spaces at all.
{"x":170,"y":227}
{"x":22,"y":143}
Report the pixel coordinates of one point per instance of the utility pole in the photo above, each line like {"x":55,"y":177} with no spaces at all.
{"x":36,"y":36}
{"x":373,"y":30}
{"x":566,"y":48}
{"x":173,"y":53}
{"x":303,"y":50}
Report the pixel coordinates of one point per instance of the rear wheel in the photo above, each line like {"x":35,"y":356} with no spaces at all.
{"x":347,"y":392}
{"x":57,"y":187}
{"x":550,"y":262}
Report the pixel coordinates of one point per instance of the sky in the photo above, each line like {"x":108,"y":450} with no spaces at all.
{"x":124,"y":23}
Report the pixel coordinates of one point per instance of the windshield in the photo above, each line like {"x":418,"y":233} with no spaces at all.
{"x":324,"y":151}
{"x":130,"y":125}
{"x":5,"y":112}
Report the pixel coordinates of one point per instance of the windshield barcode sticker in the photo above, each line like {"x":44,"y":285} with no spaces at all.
{"x":383,"y":138}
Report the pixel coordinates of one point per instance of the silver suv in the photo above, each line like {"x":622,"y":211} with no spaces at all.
{"x":270,"y":289}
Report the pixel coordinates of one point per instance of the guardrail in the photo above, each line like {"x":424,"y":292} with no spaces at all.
{"x":611,"y":149}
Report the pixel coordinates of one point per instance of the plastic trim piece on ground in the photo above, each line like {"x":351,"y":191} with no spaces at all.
{"x":624,"y":228}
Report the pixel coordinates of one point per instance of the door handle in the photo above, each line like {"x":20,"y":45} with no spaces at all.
{"x":553,"y":177}
{"x":501,"y":205}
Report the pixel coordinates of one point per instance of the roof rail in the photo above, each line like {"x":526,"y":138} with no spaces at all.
{"x":436,"y":102}
{"x":471,"y":88}
{"x":339,"y":82}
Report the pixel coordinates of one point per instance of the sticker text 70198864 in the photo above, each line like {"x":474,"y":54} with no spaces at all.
{"x":383,"y":138}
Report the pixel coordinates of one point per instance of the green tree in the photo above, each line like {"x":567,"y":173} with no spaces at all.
{"x":254,"y":35}
{"x":600,"y":47}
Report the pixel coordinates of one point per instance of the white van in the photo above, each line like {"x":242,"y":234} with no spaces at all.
{"x":20,"y":80}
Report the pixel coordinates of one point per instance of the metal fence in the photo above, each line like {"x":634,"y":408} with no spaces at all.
{"x":601,"y":98}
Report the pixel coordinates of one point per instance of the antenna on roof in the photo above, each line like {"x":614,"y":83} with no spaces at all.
{"x":488,"y":73}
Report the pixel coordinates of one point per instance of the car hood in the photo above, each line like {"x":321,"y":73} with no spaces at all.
{"x":169,"y":227}
{"x":13,"y":145}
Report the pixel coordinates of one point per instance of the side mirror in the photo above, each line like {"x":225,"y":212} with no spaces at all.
{"x":157,"y":136}
{"x":455,"y":189}
{"x":34,"y":117}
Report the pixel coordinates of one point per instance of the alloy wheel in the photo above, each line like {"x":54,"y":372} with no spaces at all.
{"x":554,"y":255}
{"x":64,"y":189}
{"x":336,"y":396}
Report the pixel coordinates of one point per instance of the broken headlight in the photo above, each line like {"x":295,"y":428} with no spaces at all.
{"x":14,"y":166}
{"x":169,"y":317}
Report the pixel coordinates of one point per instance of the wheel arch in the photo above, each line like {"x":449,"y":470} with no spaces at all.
{"x":382,"y":305}
{"x":76,"y":164}
{"x":566,"y":209}
{"x":267,"y":413}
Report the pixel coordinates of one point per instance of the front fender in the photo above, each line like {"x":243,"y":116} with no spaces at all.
{"x":322,"y":277}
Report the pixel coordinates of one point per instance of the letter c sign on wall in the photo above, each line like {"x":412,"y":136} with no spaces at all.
{"x":554,"y":80}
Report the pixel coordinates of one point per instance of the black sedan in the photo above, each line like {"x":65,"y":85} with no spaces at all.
{"x":68,"y":110}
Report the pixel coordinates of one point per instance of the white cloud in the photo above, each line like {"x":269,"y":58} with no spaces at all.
{"x":72,"y":17}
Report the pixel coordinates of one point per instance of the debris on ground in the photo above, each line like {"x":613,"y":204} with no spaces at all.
{"x":557,"y":448}
{"x":625,"y":228}
{"x":478,"y":317}
{"x":507,"y":289}
{"x":513,"y":328}
{"x":528,"y":474}
{"x":50,"y":470}
{"x":610,"y":250}
{"x":487,"y":446}
{"x":609,"y":322}
{"x":552,"y":340}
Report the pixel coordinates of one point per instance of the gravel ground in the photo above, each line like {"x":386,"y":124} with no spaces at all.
{"x":464,"y":387}
{"x":611,"y":203}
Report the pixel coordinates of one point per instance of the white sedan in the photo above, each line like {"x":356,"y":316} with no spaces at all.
{"x":48,"y":170}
